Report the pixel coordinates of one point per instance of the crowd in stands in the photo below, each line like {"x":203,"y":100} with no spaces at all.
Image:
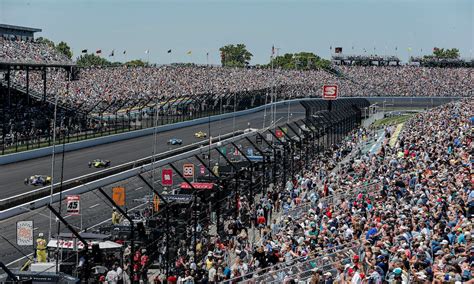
{"x":412,"y":81}
{"x":131,"y":85}
{"x":401,"y":214}
{"x":14,"y":50}
{"x":134,"y":85}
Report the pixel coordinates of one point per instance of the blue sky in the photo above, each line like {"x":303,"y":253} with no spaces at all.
{"x":204,"y":26}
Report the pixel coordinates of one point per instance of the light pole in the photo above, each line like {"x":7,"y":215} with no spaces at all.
{"x":53,"y":162}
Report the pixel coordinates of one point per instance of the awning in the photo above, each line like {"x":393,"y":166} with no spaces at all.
{"x":198,"y":185}
{"x":69,"y":244}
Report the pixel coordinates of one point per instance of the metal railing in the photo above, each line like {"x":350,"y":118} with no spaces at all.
{"x":325,"y":261}
{"x":370,"y":190}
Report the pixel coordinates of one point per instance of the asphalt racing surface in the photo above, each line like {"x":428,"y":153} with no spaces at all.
{"x":95,"y":208}
{"x":75,"y":165}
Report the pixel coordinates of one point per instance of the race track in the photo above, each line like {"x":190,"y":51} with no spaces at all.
{"x":96,"y":210}
{"x":12,"y":175}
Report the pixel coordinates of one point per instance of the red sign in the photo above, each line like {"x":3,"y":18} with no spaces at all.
{"x":197,"y":185}
{"x":167,"y":177}
{"x":278,"y":133}
{"x":73,"y":205}
{"x":330,"y":92}
{"x":202,"y":169}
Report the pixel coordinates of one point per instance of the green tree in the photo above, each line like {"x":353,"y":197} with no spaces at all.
{"x":136,"y":63}
{"x":235,"y":55}
{"x":452,"y":53}
{"x":88,"y":60}
{"x":63,"y":48}
{"x":285,"y":61}
{"x":45,"y":41}
{"x":300,"y":61}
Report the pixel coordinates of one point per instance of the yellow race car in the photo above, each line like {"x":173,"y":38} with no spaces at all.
{"x":200,"y":134}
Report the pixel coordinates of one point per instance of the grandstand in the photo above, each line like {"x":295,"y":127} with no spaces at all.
{"x":17,"y":32}
{"x":315,"y":199}
{"x":127,"y":96}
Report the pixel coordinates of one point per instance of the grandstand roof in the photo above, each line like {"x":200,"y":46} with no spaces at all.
{"x":19,"y":28}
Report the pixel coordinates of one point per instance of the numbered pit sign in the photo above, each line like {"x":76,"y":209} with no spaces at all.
{"x":73,"y":205}
{"x":188,"y":170}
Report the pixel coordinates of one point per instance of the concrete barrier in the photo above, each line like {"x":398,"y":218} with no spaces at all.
{"x":41,"y":152}
{"x":22,"y":208}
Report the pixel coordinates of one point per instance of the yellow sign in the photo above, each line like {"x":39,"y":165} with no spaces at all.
{"x":118,"y":195}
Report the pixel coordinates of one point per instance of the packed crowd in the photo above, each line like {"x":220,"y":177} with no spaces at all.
{"x":413,"y":81}
{"x":401,"y":214}
{"x":129,"y":86}
{"x":30,"y":52}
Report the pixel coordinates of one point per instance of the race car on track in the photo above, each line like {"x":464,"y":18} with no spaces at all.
{"x":200,"y":134}
{"x":98,"y":163}
{"x":175,"y":141}
{"x":38,"y":180}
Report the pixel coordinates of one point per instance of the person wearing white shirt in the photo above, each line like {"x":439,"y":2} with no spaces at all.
{"x":212,"y":274}
{"x":112,"y":277}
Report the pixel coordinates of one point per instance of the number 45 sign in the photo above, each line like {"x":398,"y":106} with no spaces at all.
{"x":73,"y":205}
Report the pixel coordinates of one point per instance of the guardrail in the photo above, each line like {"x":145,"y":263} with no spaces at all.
{"x":40,"y":197}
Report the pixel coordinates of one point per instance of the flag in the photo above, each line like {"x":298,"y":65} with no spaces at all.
{"x":124,"y":51}
{"x":409,"y":49}
{"x":169,"y":50}
{"x":99,"y":51}
{"x":207,"y":53}
{"x":112,"y":53}
{"x":338,"y":49}
{"x":396,"y":48}
{"x":189,"y":52}
{"x":84,"y":51}
{"x":147,"y":51}
{"x":330,"y":47}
